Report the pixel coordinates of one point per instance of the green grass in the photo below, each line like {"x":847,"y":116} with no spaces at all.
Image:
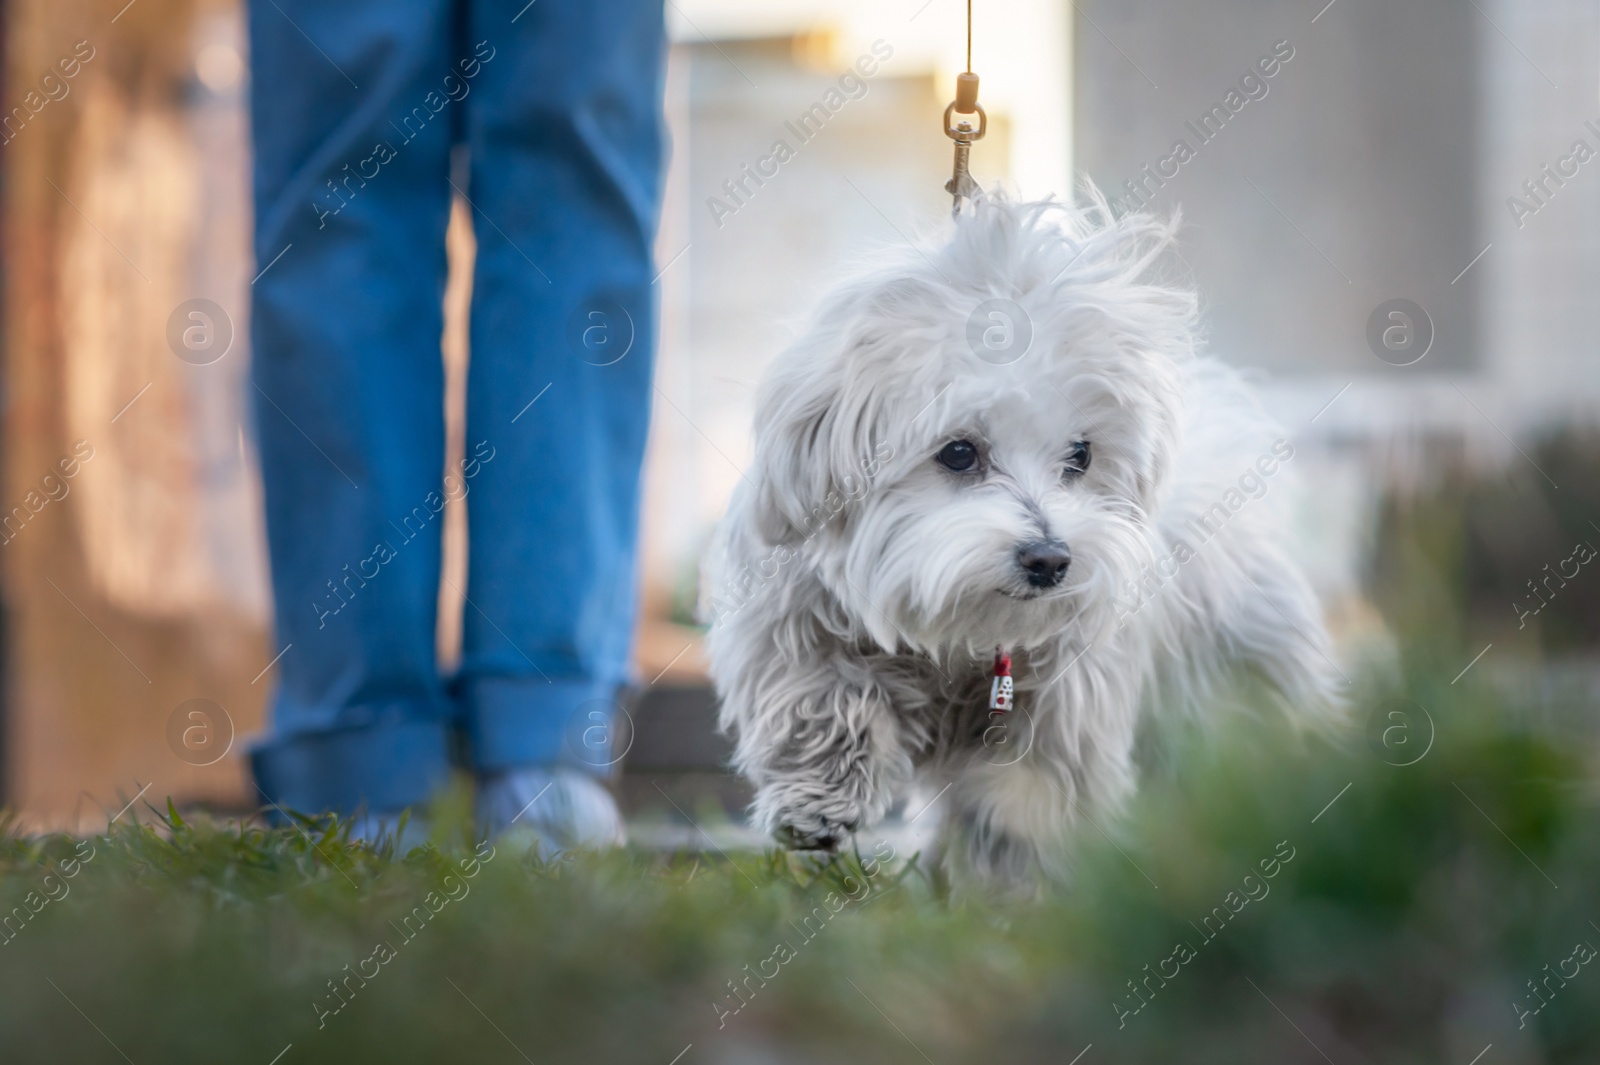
{"x":1409,"y":918}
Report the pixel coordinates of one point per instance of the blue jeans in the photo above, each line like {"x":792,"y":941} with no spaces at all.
{"x":357,"y":106}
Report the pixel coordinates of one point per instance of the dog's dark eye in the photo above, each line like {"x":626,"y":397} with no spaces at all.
{"x":958,"y":455}
{"x":1077,"y":459}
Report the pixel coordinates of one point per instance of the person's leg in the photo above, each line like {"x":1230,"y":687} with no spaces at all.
{"x":565,"y":132}
{"x":352,"y":149}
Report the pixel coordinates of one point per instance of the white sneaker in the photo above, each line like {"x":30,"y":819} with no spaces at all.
{"x":563,"y":809}
{"x":376,"y":830}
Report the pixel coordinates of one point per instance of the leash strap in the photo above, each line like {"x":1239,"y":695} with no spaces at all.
{"x":963,"y":132}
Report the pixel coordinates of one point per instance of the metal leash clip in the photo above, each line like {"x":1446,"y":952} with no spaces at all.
{"x":961,"y":186}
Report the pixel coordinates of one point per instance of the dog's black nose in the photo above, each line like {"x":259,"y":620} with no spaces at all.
{"x":1044,"y":561}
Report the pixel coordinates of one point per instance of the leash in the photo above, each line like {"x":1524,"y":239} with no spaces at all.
{"x":961,"y":186}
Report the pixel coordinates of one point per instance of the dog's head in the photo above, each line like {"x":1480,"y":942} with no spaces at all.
{"x":972,"y":438}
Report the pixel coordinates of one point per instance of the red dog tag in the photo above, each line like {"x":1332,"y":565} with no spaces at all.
{"x":1001,"y":691}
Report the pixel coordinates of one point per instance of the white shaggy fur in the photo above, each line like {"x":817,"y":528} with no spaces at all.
{"x":857,"y":588}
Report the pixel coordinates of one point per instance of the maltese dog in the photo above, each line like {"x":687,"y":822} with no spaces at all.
{"x":1000,"y":510}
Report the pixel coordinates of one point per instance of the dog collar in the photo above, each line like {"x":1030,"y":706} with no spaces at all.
{"x":1001,"y":691}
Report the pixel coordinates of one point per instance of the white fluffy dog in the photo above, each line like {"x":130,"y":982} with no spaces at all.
{"x":1004,"y":441}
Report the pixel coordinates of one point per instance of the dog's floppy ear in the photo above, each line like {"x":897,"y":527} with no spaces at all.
{"x":795,"y":416}
{"x":1139,"y":333}
{"x":1149,"y":396}
{"x":818,"y":442}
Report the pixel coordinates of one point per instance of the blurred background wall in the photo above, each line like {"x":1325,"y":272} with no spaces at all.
{"x":137,"y":582}
{"x":1375,"y":165}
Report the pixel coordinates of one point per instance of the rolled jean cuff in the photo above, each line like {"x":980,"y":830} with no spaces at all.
{"x":380,"y":768}
{"x":510,"y":723}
